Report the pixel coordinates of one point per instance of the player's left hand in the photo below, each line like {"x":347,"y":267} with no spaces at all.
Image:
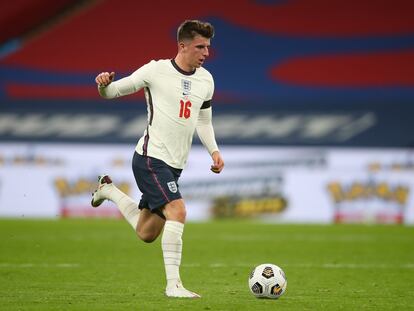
{"x":218,"y":163}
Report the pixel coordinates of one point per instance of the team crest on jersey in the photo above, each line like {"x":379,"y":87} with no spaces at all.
{"x":172,"y":186}
{"x":186,"y":86}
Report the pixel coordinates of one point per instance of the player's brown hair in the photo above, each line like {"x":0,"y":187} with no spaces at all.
{"x":190,"y":28}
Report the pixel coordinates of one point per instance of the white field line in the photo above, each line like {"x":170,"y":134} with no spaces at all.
{"x":301,"y":237}
{"x":218,"y":265}
{"x":38,"y":265}
{"x":305,"y":265}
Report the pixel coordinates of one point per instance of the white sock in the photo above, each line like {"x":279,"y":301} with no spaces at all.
{"x":172,"y":245}
{"x":128,"y":207}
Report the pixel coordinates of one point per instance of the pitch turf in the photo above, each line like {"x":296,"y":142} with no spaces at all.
{"x":100,"y":265}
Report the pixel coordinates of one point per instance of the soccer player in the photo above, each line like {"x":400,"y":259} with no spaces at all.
{"x":178,"y":93}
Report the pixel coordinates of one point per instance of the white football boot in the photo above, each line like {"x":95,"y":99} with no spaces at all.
{"x":101,"y":193}
{"x":178,"y":291}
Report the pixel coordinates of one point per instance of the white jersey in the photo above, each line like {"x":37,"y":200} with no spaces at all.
{"x":174,"y":99}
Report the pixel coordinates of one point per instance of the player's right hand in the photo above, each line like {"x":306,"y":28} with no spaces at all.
{"x":104,"y":78}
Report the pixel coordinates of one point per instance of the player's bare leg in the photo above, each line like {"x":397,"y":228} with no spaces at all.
{"x":149,"y":226}
{"x":172,"y":249}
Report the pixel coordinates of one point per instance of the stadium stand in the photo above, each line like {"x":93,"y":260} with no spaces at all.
{"x":350,"y":61}
{"x":19,"y":17}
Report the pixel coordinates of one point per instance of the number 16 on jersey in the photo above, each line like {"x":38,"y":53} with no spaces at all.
{"x":185,"y":111}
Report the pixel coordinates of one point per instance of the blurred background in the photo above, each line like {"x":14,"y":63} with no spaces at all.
{"x":313,"y":109}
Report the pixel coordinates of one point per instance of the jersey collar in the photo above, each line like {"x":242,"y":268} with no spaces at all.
{"x":187,"y":73}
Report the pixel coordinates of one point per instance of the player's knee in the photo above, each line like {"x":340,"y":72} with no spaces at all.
{"x":147,"y":237}
{"x":175,"y":210}
{"x":180,"y":213}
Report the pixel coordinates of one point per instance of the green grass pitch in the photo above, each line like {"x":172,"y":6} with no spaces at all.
{"x":101,"y":265}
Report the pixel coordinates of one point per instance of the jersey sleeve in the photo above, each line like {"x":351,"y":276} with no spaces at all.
{"x":130,"y":84}
{"x":210,"y":92}
{"x":205,"y":130}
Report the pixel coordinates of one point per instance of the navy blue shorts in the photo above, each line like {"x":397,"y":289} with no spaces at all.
{"x":157,"y":181}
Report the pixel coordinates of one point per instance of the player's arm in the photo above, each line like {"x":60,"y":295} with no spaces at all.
{"x":205,"y":132}
{"x":108,"y":88}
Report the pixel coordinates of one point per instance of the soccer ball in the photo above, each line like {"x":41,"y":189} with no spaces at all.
{"x":267,"y":281}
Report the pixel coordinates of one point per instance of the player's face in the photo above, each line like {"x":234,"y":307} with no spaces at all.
{"x":196,"y":51}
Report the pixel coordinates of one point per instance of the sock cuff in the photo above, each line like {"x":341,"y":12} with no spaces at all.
{"x":174,"y":226}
